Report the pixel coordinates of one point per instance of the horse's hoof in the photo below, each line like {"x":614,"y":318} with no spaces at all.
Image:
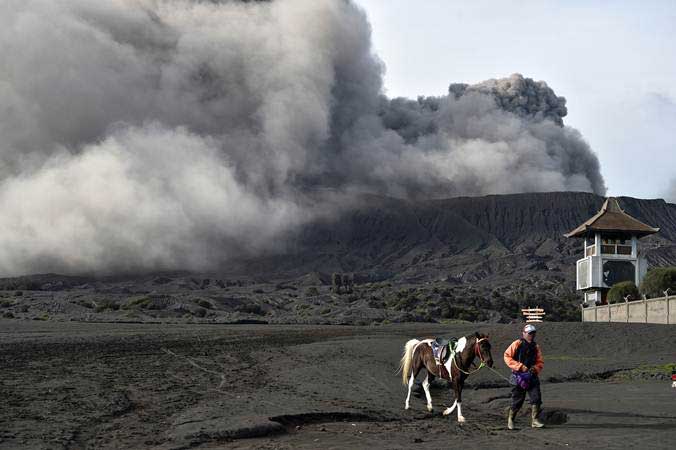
{"x":447,"y":411}
{"x":461,"y":419}
{"x":430,"y":409}
{"x":407,"y":407}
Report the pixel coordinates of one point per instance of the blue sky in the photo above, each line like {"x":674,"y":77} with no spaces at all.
{"x":615,"y":62}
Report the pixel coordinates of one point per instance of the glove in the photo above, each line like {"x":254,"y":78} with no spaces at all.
{"x":532,"y":371}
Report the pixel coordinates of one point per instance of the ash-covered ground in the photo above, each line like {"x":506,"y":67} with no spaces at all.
{"x":72,"y":385}
{"x":308,"y":299}
{"x":266,"y":354}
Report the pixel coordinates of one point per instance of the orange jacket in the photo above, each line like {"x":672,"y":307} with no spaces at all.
{"x":516,"y":365}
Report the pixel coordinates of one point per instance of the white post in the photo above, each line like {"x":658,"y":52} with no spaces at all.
{"x":666,"y":296}
{"x":597,"y":243}
{"x":627,"y":302}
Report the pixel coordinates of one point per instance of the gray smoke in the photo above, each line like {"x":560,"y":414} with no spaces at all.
{"x":522,"y":96}
{"x":670,"y":195}
{"x":161,"y":134}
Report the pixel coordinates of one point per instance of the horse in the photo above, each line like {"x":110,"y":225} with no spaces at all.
{"x":418,"y":355}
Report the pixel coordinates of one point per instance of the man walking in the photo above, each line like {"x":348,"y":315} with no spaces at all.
{"x":524,"y":357}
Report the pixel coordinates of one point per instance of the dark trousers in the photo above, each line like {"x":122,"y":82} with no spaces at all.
{"x":534,"y":395}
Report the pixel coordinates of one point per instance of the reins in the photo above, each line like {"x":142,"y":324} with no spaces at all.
{"x":477,"y":350}
{"x":499,"y":374}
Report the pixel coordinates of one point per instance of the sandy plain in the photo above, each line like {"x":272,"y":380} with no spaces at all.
{"x":73,"y":385}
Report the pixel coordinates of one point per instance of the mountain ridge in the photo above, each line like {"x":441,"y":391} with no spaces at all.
{"x":466,"y":258}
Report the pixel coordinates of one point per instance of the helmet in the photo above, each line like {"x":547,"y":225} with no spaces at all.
{"x":529,"y":328}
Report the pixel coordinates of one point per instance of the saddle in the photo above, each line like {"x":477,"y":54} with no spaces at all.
{"x":440,"y":349}
{"x":443,"y":349}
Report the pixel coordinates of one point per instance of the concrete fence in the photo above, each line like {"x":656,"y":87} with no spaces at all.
{"x":652,"y":310}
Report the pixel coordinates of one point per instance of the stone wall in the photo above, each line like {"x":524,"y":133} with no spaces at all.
{"x":618,"y":313}
{"x":653,"y":310}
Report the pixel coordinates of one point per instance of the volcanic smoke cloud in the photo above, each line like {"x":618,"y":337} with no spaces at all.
{"x":151,"y":134}
{"x":670,"y":195}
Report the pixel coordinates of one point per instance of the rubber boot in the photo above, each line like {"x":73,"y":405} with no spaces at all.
{"x":535,"y":413}
{"x":510,"y":419}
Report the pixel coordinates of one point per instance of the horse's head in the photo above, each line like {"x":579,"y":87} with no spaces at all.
{"x":482,"y":349}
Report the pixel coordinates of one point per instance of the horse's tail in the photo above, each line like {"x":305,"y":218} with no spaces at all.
{"x":407,"y":359}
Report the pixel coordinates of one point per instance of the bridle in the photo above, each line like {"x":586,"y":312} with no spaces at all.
{"x":477,"y":351}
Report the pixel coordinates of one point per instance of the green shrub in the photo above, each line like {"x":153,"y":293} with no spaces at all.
{"x":103,"y":305}
{"x":135,"y":303}
{"x":251,"y":308}
{"x":152,"y":302}
{"x":311,"y":292}
{"x":658,"y":280}
{"x":447,"y":293}
{"x":352,"y":298}
{"x":84,"y":303}
{"x":469,"y":315}
{"x":282,"y":286}
{"x":620,"y":290}
{"x":205,"y":303}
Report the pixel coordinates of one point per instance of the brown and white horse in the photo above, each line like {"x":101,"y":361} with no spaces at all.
{"x":418,"y":355}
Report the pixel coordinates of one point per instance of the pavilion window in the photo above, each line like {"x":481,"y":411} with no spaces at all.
{"x":624,"y":249}
{"x":611,"y":246}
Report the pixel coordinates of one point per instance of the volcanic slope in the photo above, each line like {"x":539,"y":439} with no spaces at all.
{"x":404,"y":237}
{"x":468,"y":258}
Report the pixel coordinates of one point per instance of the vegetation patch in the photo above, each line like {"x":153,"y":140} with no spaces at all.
{"x":658,"y":280}
{"x":84,"y":303}
{"x":205,"y":303}
{"x":250,"y":308}
{"x":312,"y":291}
{"x":646,"y":372}
{"x":107,"y":304}
{"x":137,"y":303}
{"x":620,"y":291}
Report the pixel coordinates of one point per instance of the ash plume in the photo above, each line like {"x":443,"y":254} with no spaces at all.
{"x":162,"y":134}
{"x":670,"y":194}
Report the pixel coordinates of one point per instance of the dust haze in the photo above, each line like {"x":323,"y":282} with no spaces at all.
{"x":157,"y":135}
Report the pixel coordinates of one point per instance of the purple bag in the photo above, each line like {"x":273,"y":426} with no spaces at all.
{"x":522,"y":379}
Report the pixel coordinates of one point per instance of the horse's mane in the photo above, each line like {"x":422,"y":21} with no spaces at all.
{"x":478,"y":335}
